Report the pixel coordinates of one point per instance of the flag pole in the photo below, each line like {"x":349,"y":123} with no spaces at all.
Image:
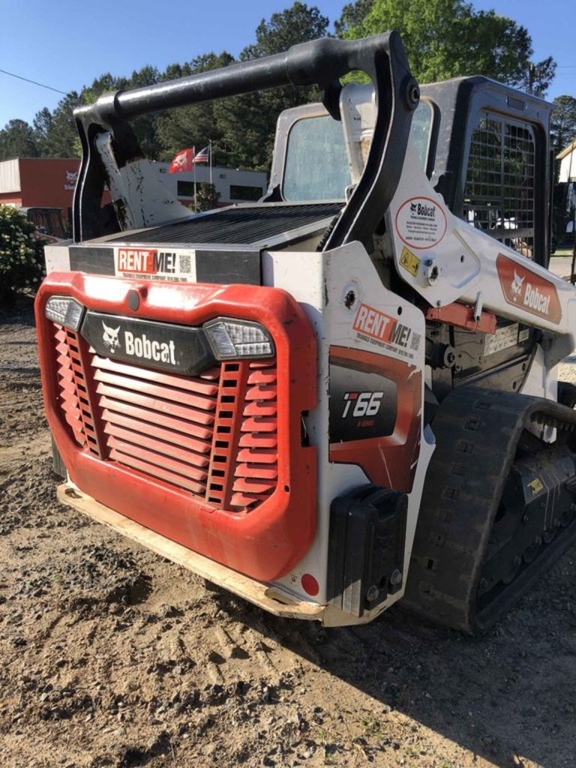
{"x":210,"y":151}
{"x":195,"y":201}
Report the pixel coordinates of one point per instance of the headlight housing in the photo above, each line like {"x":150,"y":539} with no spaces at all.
{"x":233,"y":339}
{"x":64,"y":311}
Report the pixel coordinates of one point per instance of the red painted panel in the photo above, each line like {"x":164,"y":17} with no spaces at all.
{"x":462,"y":316}
{"x":524,"y":289}
{"x":268,"y":522}
{"x":388,"y":460}
{"x":48,"y":182}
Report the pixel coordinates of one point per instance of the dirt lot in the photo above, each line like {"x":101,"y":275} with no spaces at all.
{"x":112,"y":656}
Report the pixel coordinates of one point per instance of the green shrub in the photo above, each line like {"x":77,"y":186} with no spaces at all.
{"x":21,"y":255}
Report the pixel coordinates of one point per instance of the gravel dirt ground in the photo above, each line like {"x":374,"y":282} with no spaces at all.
{"x":112,"y":656}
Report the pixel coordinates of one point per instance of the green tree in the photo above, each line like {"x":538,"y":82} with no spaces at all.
{"x":146,"y":126}
{"x":21,"y":255}
{"x":286,"y":28}
{"x":448,"y":38}
{"x":248,"y":122}
{"x":563,"y":126}
{"x":42,"y":130}
{"x":197,"y":124}
{"x":538,"y":78}
{"x":206,"y":197}
{"x":352,"y":15}
{"x":17,"y":140}
{"x":56,"y":132}
{"x":106,"y":83}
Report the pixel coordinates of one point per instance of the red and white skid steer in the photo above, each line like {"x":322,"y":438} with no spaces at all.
{"x":345,"y":394}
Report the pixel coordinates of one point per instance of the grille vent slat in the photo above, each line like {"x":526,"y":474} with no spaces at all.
{"x":117,"y":410}
{"x":158,"y":472}
{"x":257,"y":470}
{"x":116,"y":423}
{"x":133,"y":384}
{"x":72,"y":389}
{"x":214,"y":435}
{"x":201,"y":385}
{"x":156,"y":459}
{"x":160,"y":447}
{"x":163,"y":405}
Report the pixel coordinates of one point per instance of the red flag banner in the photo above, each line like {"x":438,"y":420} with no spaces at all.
{"x":183,"y":161}
{"x":203,"y":156}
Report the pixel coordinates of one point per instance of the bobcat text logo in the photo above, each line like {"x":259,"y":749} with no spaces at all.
{"x":527,"y":290}
{"x":143,"y":347}
{"x":359,"y":404}
{"x":536,"y":300}
{"x":532,"y":297}
{"x":110,"y":337}
{"x":426,"y":210}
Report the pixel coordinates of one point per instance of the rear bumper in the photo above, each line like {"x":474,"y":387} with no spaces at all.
{"x":267,"y":597}
{"x":262,"y":595}
{"x":263,"y":541}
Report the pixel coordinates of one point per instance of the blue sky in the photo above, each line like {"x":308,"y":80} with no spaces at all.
{"x":67,"y":44}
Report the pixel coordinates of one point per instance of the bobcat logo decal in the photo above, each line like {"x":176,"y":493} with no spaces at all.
{"x":110,"y":337}
{"x":517,"y":284}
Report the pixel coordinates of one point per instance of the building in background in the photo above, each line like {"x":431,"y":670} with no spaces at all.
{"x":565,"y":196}
{"x":233,"y":185}
{"x":38,"y":182}
{"x":567,"y":159}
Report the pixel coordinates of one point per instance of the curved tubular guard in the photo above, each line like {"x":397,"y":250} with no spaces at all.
{"x":319,"y":62}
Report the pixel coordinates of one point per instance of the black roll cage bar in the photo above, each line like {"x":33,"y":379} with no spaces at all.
{"x":319,"y":62}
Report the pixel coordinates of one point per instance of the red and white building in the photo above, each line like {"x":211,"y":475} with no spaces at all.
{"x":38,"y":182}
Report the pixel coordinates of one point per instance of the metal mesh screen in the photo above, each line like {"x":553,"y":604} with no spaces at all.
{"x":241,"y":225}
{"x":499,"y":192}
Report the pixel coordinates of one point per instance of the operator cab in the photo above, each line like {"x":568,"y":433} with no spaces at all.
{"x":483,"y":145}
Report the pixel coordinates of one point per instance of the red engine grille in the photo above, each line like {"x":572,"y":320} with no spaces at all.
{"x":74,"y":399}
{"x":214,"y":435}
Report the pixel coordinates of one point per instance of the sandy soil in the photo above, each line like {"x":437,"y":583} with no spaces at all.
{"x":112,"y":656}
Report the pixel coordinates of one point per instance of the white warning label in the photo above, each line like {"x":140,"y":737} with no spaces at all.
{"x":502,"y":339}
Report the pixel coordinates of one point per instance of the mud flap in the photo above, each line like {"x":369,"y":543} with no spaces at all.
{"x":367,"y":540}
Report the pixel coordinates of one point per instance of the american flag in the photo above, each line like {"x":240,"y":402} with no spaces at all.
{"x":203,"y":156}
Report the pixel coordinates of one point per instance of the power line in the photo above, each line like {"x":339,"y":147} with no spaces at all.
{"x":34,"y":82}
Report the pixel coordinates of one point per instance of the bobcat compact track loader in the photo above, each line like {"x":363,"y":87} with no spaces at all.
{"x":345,"y":394}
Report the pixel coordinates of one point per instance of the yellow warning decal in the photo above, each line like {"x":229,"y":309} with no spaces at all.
{"x":535,"y":485}
{"x":409,"y":261}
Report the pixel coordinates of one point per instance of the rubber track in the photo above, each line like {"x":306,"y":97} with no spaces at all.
{"x":477,"y":433}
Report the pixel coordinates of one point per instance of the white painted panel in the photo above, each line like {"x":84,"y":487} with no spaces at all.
{"x":9,"y":176}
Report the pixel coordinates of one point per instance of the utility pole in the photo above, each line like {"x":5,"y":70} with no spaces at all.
{"x":531,"y":77}
{"x":571,"y":184}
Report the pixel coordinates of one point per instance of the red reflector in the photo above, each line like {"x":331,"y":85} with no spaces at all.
{"x":309,"y":584}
